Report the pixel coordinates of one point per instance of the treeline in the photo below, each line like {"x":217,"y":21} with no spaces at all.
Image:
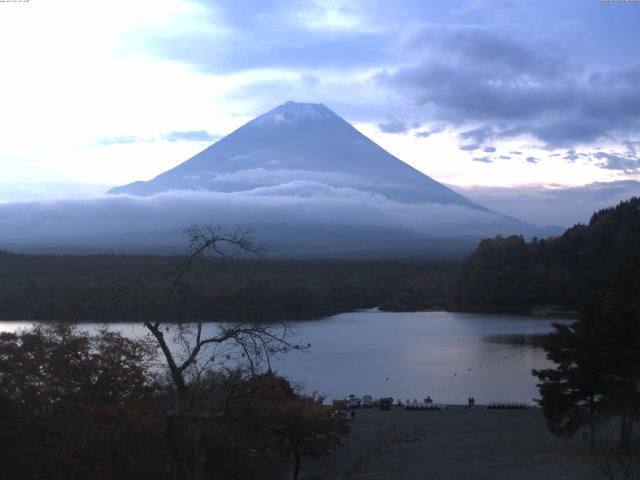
{"x":510,"y":274}
{"x":106,"y":287}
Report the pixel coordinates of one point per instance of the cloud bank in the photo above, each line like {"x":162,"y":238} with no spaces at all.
{"x":300,"y":204}
{"x":539,"y":204}
{"x":514,"y":82}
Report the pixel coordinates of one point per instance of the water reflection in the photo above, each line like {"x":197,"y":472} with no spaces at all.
{"x":449,"y":356}
{"x":522,"y":339}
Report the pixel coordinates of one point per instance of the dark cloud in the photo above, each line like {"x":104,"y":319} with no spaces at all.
{"x":191,"y":136}
{"x":394,"y":124}
{"x":274,"y":34}
{"x":533,"y":160}
{"x":515,"y":78}
{"x":485,"y":159}
{"x":478,"y":74}
{"x":489,"y":149}
{"x":505,"y":157}
{"x":628,"y":163}
{"x":481,"y":46}
{"x":431,"y":131}
{"x":477,"y":135}
{"x":571,"y":155}
{"x":469,"y":148}
{"x":631,"y":146}
{"x":575,"y":129}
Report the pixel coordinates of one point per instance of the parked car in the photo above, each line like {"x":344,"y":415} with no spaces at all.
{"x":367,"y":401}
{"x":353,"y":401}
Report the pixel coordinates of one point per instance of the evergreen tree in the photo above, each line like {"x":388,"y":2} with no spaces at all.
{"x":597,"y":373}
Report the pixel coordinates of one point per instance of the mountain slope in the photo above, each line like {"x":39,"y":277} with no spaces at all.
{"x":299,"y":142}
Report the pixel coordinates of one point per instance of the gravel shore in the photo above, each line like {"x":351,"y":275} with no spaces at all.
{"x":457,"y":443}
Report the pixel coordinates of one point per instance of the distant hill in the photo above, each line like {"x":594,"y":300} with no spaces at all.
{"x":508,"y":273}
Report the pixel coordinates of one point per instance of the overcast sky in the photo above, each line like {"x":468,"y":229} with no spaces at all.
{"x":475,"y":92}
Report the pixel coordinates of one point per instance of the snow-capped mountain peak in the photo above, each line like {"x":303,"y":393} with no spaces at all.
{"x":293,"y":112}
{"x":299,"y":141}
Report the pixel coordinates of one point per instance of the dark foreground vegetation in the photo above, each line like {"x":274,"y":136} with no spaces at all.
{"x":594,"y":388}
{"x":76,"y":406}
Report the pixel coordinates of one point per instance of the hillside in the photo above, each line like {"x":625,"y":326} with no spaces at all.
{"x":510,"y":274}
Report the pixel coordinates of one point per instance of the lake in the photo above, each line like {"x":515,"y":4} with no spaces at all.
{"x":447,"y":355}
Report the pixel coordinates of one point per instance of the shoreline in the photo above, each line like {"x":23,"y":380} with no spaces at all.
{"x":290,"y":318}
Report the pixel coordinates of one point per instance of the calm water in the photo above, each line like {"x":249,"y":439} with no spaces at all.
{"x":449,"y":356}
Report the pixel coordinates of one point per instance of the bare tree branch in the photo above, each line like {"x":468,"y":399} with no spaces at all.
{"x":185,"y":369}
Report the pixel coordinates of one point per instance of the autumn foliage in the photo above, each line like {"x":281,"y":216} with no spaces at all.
{"x":80,"y":406}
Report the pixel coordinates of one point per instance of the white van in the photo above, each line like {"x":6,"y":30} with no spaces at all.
{"x":367,"y":401}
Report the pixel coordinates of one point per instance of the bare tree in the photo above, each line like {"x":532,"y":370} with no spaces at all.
{"x":190,"y":350}
{"x":615,"y":461}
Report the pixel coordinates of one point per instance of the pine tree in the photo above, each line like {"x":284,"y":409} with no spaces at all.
{"x":597,"y":373}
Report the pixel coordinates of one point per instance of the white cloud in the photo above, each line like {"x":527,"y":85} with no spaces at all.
{"x":294,"y":203}
{"x":336,"y":15}
{"x":440,"y":157}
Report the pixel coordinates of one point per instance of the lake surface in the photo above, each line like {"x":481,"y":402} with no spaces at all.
{"x":449,"y":356}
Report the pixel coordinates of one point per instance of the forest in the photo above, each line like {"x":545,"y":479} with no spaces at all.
{"x":510,"y":274}
{"x":86,"y":287}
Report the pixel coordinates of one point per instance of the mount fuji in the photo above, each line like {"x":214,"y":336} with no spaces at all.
{"x":308,"y":182}
{"x":303,"y":179}
{"x":299,"y":142}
